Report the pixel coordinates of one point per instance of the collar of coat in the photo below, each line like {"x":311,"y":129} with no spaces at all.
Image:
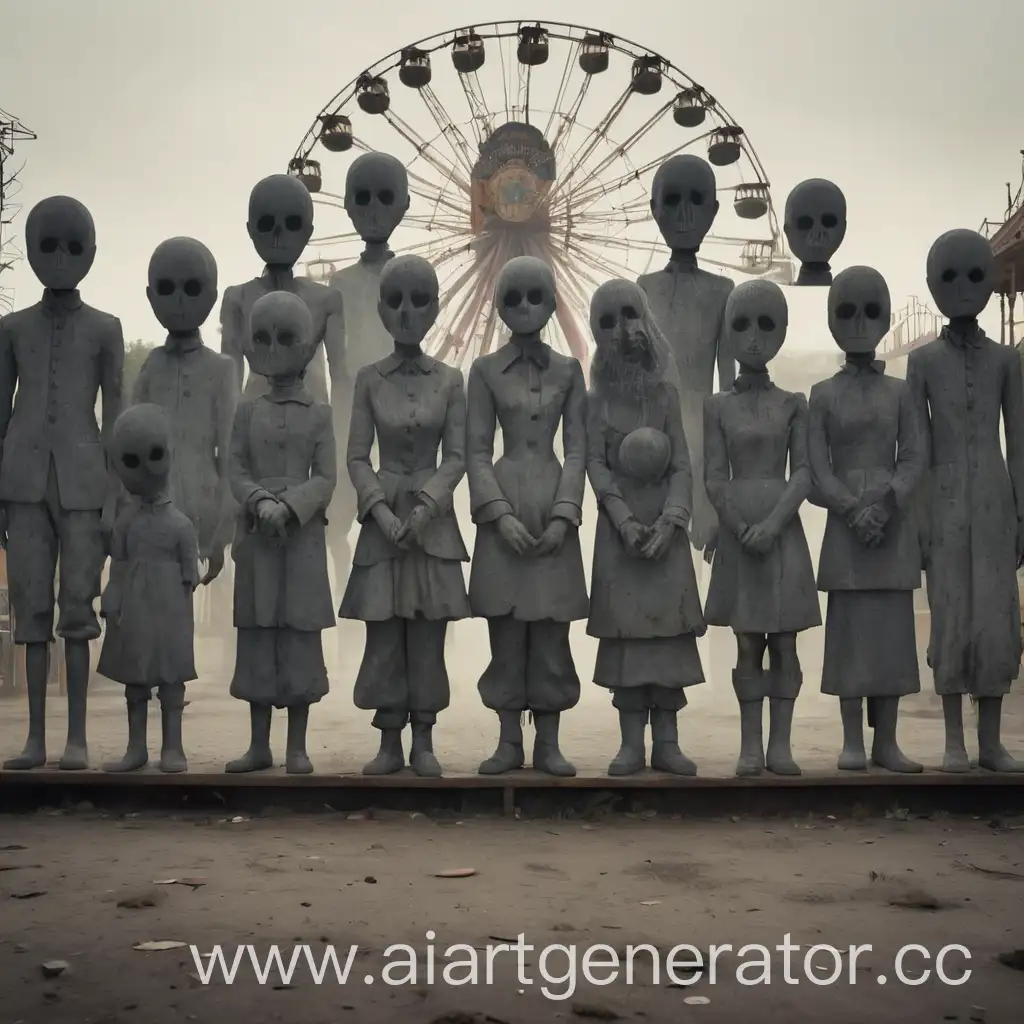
{"x":179,"y":344}
{"x":389,"y":364}
{"x":746,"y":381}
{"x":538,"y":354}
{"x":973,"y":336}
{"x":871,"y":366}
{"x":296,"y":393}
{"x":55,"y":303}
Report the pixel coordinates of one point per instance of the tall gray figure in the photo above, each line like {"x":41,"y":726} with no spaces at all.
{"x":527,"y":577}
{"x":963,"y":384}
{"x":644,"y":604}
{"x":57,"y":490}
{"x":406,"y":582}
{"x":282,"y":471}
{"x":762,"y":581}
{"x":689,"y":305}
{"x":864,"y":444}
{"x":280,"y":225}
{"x":376,"y":200}
{"x":197,"y":389}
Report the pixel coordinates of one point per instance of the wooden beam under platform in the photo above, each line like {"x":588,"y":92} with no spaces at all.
{"x":527,"y":793}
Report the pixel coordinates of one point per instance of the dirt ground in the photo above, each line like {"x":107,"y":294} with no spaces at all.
{"x":79,"y":887}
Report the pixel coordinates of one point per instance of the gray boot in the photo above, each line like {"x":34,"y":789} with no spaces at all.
{"x":665,"y":753}
{"x":421,"y":756}
{"x":509,"y":752}
{"x":632,"y":755}
{"x":390,"y":757}
{"x":547,"y":757}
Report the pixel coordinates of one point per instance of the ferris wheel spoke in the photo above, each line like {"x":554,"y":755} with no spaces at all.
{"x":590,"y":190}
{"x":348,"y":236}
{"x":600,"y":264}
{"x":425,"y":150}
{"x":504,"y":75}
{"x":563,"y":88}
{"x":593,"y":140}
{"x":432,"y":223}
{"x":480,"y":116}
{"x":577,"y":343}
{"x":447,"y":127}
{"x":489,"y":333}
{"x":574,"y":278}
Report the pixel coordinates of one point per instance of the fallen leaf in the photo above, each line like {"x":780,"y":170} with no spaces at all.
{"x":456,"y":873}
{"x":28,"y":894}
{"x":159,"y":945}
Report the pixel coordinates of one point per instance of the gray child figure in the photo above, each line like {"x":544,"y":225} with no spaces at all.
{"x":282,"y":470}
{"x":762,"y":580}
{"x":147,"y":603}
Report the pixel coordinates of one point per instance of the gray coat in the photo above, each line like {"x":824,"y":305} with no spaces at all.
{"x":973,"y":505}
{"x":864,"y":445}
{"x":59,"y":354}
{"x":197,"y":388}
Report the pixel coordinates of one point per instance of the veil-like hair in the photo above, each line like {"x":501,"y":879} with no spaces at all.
{"x":603,"y":373}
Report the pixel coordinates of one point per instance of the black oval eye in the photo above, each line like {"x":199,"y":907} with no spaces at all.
{"x":949,"y":275}
{"x":829,"y":220}
{"x":386,"y":196}
{"x":975,"y":275}
{"x":846,"y":311}
{"x":697,"y":198}
{"x":261,"y":338}
{"x":741,"y":324}
{"x":512,"y":298}
{"x":672,"y":199}
{"x":804,"y":222}
{"x":48,"y":245}
{"x":286,"y":338}
{"x":420,"y":300}
{"x":75,"y":248}
{"x":534,"y":296}
{"x":156,"y":453}
{"x":293,"y":222}
{"x":872,"y":310}
{"x":607,"y":322}
{"x":131,"y":460}
{"x":629,"y":313}
{"x":265,"y":224}
{"x":766,"y":323}
{"x":363,"y":197}
{"x":165,"y":286}
{"x":393,"y":300}
{"x":192,"y":287}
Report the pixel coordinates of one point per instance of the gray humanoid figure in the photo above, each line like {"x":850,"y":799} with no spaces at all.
{"x":815,"y":226}
{"x":147,"y":603}
{"x":282,"y":470}
{"x":762,"y":581}
{"x":196,"y":387}
{"x":644,"y":604}
{"x":57,"y":490}
{"x":406,"y":582}
{"x":280,"y":224}
{"x":689,"y":304}
{"x":527,"y":575}
{"x":864,"y":445}
{"x":963,"y":384}
{"x":376,"y":200}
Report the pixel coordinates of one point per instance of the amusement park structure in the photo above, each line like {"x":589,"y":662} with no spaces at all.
{"x":1007,"y":239}
{"x":534,"y":139}
{"x":12,"y":131}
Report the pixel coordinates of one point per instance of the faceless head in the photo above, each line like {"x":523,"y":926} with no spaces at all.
{"x":409,"y":299}
{"x":182,"y":285}
{"x":631,"y":353}
{"x":684,"y":200}
{"x":858,"y":309}
{"x":961,"y":273}
{"x":281,"y":341}
{"x":280,"y":219}
{"x":60,"y":239}
{"x":140,"y":447}
{"x":376,"y":195}
{"x":525,"y":295}
{"x":756,"y":318}
{"x":815,"y":221}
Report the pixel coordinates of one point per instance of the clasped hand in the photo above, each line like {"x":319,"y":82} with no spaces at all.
{"x":402,"y":535}
{"x":522,"y":542}
{"x":647,"y":541}
{"x":273,"y":515}
{"x":868,"y":524}
{"x":759,"y":538}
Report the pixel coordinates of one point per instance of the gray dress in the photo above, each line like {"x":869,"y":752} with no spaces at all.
{"x":750,"y":433}
{"x":282,"y":445}
{"x":865,"y":447}
{"x":973,"y":500}
{"x":646,"y":612}
{"x":147,"y":602}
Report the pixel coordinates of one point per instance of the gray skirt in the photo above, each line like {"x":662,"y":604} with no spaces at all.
{"x":672,"y":662}
{"x":870,"y":644}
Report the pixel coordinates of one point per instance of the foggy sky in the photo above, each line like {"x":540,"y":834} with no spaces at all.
{"x":161,"y":117}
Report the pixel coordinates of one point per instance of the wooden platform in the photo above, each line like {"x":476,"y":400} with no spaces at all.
{"x":523,"y":792}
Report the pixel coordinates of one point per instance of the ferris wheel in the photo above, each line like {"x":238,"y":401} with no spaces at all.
{"x":533,"y":138}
